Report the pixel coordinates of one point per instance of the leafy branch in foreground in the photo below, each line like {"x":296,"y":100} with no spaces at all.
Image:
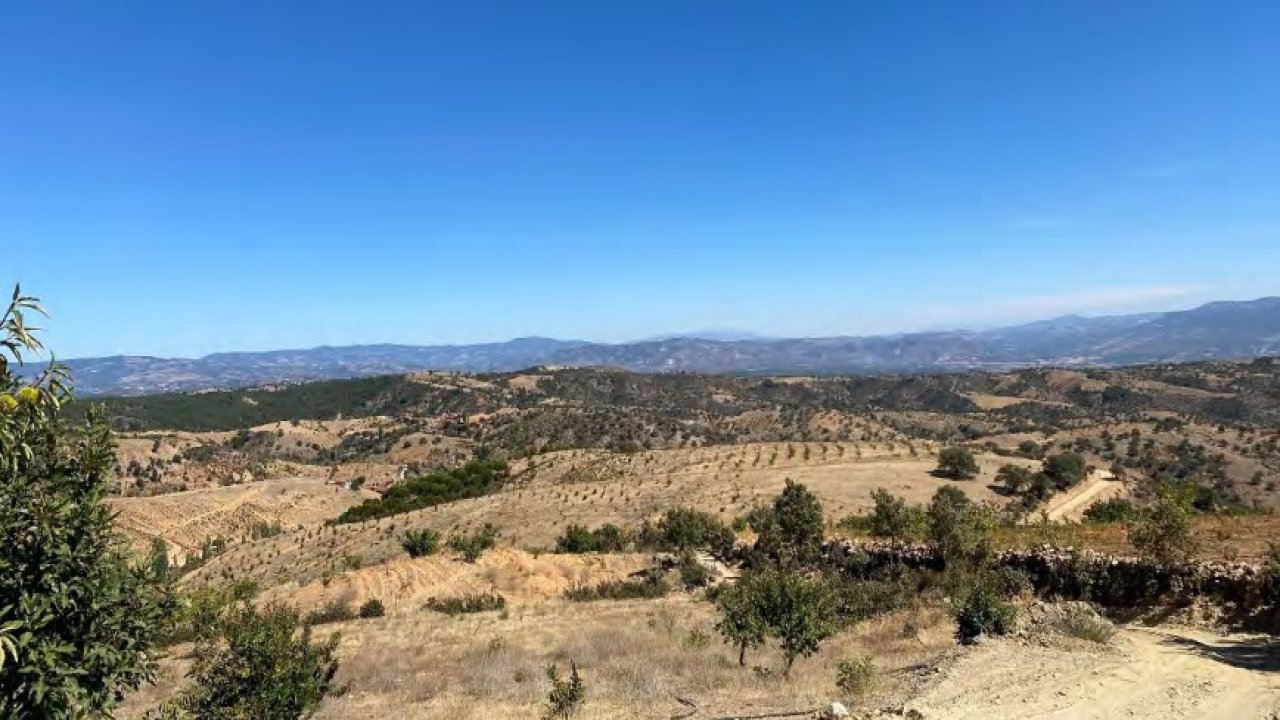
{"x":79,"y":617}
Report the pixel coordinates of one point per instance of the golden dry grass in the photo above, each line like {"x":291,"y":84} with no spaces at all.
{"x":552,"y":491}
{"x":634,"y":656}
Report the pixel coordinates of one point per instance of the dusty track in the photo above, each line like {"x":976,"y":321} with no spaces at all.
{"x":1150,"y":673}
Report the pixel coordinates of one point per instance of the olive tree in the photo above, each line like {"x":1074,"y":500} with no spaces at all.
{"x":79,"y":617}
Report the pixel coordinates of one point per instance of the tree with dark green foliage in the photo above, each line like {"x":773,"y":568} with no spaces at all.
{"x":742,"y":622}
{"x":1014,"y":478}
{"x":78,"y":618}
{"x":1065,"y":469}
{"x":683,"y":529}
{"x":892,"y":517}
{"x":984,"y":612}
{"x":789,"y":532}
{"x":372,"y":608}
{"x":957,"y":463}
{"x":473,"y":479}
{"x":419,"y":543}
{"x":262,"y":664}
{"x":960,"y":530}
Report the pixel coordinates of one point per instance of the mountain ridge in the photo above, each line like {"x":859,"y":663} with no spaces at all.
{"x":1213,"y":331}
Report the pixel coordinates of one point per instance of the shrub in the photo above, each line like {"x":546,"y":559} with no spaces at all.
{"x":77,"y":612}
{"x":566,"y":696}
{"x":466,"y":604}
{"x":893,"y":518}
{"x":984,"y":613}
{"x":646,"y":588}
{"x":1111,"y":511}
{"x":790,"y":530}
{"x":958,"y":529}
{"x":472,"y":546}
{"x":331,"y":612}
{"x":1164,"y":536}
{"x":742,"y":622}
{"x":693,"y":574}
{"x":1014,"y":478}
{"x":474,"y":479}
{"x":372,"y":608}
{"x":1065,"y":470}
{"x":419,"y":543}
{"x":856,"y":676}
{"x":260,"y":666}
{"x":578,"y":539}
{"x":957,"y":463}
{"x":684,"y":530}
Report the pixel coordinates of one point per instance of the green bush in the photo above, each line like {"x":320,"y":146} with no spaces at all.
{"x":957,"y":463}
{"x":790,"y":530}
{"x":984,"y":613}
{"x":472,"y":545}
{"x":260,"y":666}
{"x":1065,"y":470}
{"x":1115,"y":510}
{"x":958,"y":529}
{"x":466,"y":604}
{"x":420,"y":543}
{"x":684,"y":530}
{"x":1164,"y":536}
{"x":577,"y":539}
{"x":474,"y":479}
{"x":567,"y":695}
{"x":893,"y":518}
{"x":79,"y":616}
{"x":331,"y":612}
{"x":856,"y":676}
{"x":372,"y":608}
{"x":693,"y":574}
{"x":645,"y":589}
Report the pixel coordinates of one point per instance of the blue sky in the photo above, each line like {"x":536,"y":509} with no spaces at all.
{"x":178,"y":178}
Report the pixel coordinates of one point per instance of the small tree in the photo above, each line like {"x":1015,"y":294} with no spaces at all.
{"x":1014,"y":478}
{"x":1065,"y":469}
{"x":799,"y":612}
{"x":1165,"y":536}
{"x":419,"y":543}
{"x":566,"y":696}
{"x":263,"y":665}
{"x":472,"y":545}
{"x":372,"y":608}
{"x":958,"y":529}
{"x":741,"y":615}
{"x":789,"y":531}
{"x":893,"y":518}
{"x":576,"y":539}
{"x":957,"y":463}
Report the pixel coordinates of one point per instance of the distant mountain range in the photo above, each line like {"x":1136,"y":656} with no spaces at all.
{"x":1220,"y":330}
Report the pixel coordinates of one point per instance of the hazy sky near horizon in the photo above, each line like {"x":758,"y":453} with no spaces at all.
{"x":178,"y":178}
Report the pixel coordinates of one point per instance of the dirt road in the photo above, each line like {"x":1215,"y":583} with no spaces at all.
{"x":1070,"y":506}
{"x":1148,"y":674}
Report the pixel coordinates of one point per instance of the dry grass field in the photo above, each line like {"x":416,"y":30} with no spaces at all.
{"x":636,"y":656}
{"x":596,"y":487}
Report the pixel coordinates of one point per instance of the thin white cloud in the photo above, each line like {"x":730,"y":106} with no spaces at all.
{"x":993,"y":312}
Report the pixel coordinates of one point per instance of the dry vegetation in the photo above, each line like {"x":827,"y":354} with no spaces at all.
{"x":594,"y":447}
